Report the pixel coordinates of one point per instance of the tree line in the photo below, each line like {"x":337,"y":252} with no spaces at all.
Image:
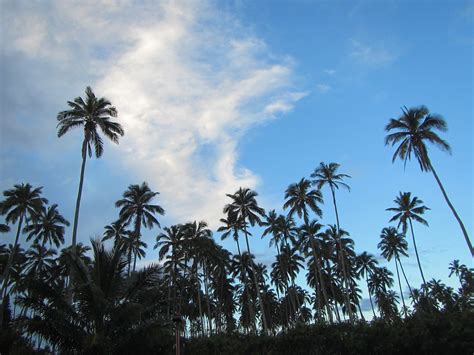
{"x":70,"y":297}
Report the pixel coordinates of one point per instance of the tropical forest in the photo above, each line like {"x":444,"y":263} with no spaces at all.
{"x":212,"y":177}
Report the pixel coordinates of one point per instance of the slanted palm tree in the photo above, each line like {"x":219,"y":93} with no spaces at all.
{"x":47,"y":227}
{"x":22,"y":202}
{"x":244,"y":206}
{"x":89,"y":113}
{"x":393,"y":244}
{"x":407,"y":209}
{"x":136,"y":207}
{"x":365,"y":266}
{"x":298,"y":197}
{"x":413,"y":129}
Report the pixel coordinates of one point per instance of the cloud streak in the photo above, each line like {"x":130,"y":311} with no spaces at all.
{"x":187,"y":79}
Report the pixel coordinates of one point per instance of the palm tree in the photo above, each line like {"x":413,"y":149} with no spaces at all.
{"x":244,"y":207}
{"x":89,"y":113}
{"x":310,"y":244}
{"x":413,"y":129}
{"x":136,"y":207}
{"x":299,"y":197}
{"x":407,"y":209}
{"x":116,"y":231}
{"x":39,"y":260}
{"x":393,"y":244}
{"x":21,"y":202}
{"x":47,"y":227}
{"x":365,"y":266}
{"x":325,"y":174}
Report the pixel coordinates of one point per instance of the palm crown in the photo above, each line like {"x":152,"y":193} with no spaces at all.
{"x":91,"y":113}
{"x":412,"y":130}
{"x":407,"y":208}
{"x":326,"y":174}
{"x":299,"y":197}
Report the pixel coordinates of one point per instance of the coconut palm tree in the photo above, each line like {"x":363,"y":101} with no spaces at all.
{"x":299,"y":196}
{"x":310,"y":245}
{"x":22,"y":202}
{"x":116,"y":231}
{"x":393,"y":244}
{"x":244,"y":206}
{"x":39,"y":260}
{"x":413,"y":129}
{"x":326,"y":174}
{"x":406,"y":210}
{"x":89,"y":114}
{"x":365,"y":266}
{"x":47,"y":227}
{"x":136,"y":207}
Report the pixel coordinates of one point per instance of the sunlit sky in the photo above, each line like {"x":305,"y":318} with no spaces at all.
{"x":214,"y":95}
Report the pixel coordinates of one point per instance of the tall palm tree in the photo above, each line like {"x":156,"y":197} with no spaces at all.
{"x":244,"y":206}
{"x":326,"y":174}
{"x":365,"y":266}
{"x":136,"y":207}
{"x":22,"y":202}
{"x":299,"y":196}
{"x":47,"y":227}
{"x":406,"y":209}
{"x":89,"y":113}
{"x":116,"y":231}
{"x":393,"y":244}
{"x":413,"y":129}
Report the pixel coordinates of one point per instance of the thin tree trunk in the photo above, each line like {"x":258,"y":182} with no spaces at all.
{"x":323,"y":286}
{"x":416,"y":252}
{"x":331,"y":287}
{"x":262,"y":309}
{"x":405,"y":277}
{"x":400,"y":285}
{"x":243,"y":275}
{"x":79,"y":193}
{"x":370,"y":296}
{"x":6,"y":272}
{"x":206,"y":288}
{"x":464,"y":231}
{"x":199,"y":302}
{"x":346,"y":281}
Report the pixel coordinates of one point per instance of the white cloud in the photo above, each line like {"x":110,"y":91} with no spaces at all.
{"x":323,"y":88}
{"x":329,"y":71}
{"x":187,"y":79}
{"x":374,"y":56}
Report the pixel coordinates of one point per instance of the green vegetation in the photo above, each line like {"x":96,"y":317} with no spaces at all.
{"x":94,"y":300}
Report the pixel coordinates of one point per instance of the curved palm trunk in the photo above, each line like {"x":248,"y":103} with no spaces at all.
{"x":406,"y":280}
{"x":400,"y":285}
{"x":262,"y":309}
{"x":464,"y":231}
{"x":343,"y":265}
{"x":6,"y":272}
{"x":370,"y":296}
{"x":79,"y":193}
{"x":416,"y":252}
{"x":323,"y":286}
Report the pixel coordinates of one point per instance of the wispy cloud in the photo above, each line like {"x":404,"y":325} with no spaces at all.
{"x":188,"y":82}
{"x":323,"y":88}
{"x":329,"y":71}
{"x":371,"y":55}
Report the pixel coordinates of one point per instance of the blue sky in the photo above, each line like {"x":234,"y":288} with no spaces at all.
{"x":217,"y":95}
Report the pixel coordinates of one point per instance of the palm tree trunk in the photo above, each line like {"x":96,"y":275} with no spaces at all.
{"x":79,"y":193}
{"x":6,"y":272}
{"x":331,"y":287}
{"x":243,"y":276}
{"x":206,"y":288}
{"x":370,"y":296}
{"x":323,"y":286}
{"x":400,"y":285}
{"x":405,"y":277}
{"x":343,"y":265}
{"x":262,"y":309}
{"x":416,"y":252}
{"x":199,"y":302}
{"x":464,"y":231}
